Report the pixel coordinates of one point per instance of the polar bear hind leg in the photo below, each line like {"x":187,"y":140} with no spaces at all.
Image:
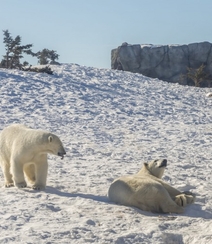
{"x":120,"y":192}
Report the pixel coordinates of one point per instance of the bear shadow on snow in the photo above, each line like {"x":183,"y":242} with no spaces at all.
{"x":195,"y":211}
{"x":96,"y":198}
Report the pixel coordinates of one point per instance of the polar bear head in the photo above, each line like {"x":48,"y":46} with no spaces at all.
{"x":53,"y":144}
{"x":156,"y":167}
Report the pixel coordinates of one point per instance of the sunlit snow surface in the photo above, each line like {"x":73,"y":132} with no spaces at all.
{"x":110,"y":123}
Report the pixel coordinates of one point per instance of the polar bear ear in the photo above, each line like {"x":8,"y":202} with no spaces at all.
{"x":50,"y":138}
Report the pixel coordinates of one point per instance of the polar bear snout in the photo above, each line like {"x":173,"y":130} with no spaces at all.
{"x":163,"y":163}
{"x":61,"y":154}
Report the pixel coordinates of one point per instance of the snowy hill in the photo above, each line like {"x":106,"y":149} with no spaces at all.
{"x":110,"y":123}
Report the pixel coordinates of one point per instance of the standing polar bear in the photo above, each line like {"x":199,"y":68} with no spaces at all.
{"x":23,"y":155}
{"x":146,"y":191}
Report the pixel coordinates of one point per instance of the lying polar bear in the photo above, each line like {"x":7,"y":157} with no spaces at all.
{"x":146,"y":191}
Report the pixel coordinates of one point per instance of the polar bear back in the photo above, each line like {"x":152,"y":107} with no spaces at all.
{"x":16,"y":138}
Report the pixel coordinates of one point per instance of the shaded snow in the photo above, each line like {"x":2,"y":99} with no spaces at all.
{"x":110,"y":123}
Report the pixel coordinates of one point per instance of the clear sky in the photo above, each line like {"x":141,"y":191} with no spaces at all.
{"x":85,"y":31}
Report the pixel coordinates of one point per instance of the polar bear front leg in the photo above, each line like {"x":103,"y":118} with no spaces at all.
{"x":18,"y":174}
{"x":166,"y":204}
{"x":41,"y":169}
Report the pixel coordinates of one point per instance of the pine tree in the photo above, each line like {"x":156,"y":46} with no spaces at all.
{"x":53,"y":55}
{"x":46,"y":56}
{"x":14,"y":51}
{"x":8,"y":40}
{"x":197,"y":75}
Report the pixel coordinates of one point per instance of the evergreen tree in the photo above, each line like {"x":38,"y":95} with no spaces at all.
{"x":8,"y":40}
{"x":197,"y":75}
{"x":14,"y":51}
{"x":53,"y":55}
{"x":46,"y":56}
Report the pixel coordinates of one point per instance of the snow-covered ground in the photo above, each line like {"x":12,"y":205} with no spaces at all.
{"x":110,"y":123}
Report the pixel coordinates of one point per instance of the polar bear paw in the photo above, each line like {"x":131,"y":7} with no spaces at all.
{"x":181,"y":200}
{"x":38,"y":187}
{"x":21,"y":184}
{"x":7,"y":185}
{"x":191,"y":197}
{"x":185,"y":198}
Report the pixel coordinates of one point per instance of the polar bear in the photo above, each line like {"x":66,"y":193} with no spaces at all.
{"x":23,"y":155}
{"x":146,"y":191}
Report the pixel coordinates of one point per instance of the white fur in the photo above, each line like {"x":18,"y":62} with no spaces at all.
{"x":209,"y":94}
{"x":146,"y":191}
{"x":23,"y":155}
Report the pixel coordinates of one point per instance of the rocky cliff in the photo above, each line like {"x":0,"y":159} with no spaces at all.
{"x":170,"y":63}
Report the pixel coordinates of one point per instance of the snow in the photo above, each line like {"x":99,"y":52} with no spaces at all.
{"x":110,"y":123}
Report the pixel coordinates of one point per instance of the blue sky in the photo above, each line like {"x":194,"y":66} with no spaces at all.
{"x":85,"y":31}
